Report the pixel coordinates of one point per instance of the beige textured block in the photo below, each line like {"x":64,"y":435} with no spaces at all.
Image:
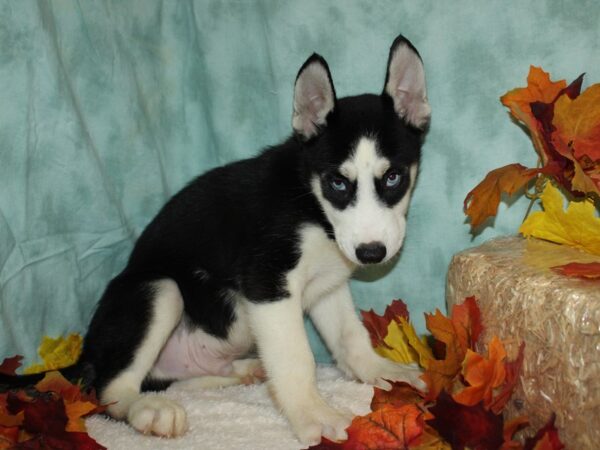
{"x":557,"y":317}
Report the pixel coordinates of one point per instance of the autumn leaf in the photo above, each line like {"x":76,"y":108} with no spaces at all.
{"x":418,"y":345}
{"x":395,"y":346}
{"x":512,"y":371}
{"x":466,"y":318}
{"x":581,"y":270}
{"x":546,"y":438}
{"x":440,"y":374}
{"x":57,"y":353}
{"x":45,"y":423}
{"x":42,"y":415}
{"x":386,"y":428}
{"x":10,"y":365}
{"x":577,"y":131}
{"x":483,"y":375}
{"x":577,"y":226}
{"x":539,"y":89}
{"x":431,"y":440}
{"x":510,"y":429}
{"x":392,"y":335}
{"x":482,"y":201}
{"x":9,"y":437}
{"x":399,"y":395}
{"x":77,"y":403}
{"x":463,"y":426}
{"x":48,"y":416}
{"x":377,"y":325}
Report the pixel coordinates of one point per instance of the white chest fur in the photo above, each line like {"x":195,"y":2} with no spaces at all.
{"x":322,"y":267}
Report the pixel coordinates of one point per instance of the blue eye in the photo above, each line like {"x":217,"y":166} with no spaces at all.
{"x":392,"y":179}
{"x":339,"y":184}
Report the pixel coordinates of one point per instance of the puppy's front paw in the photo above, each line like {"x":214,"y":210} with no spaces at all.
{"x":318,"y":419}
{"x":153,"y":414}
{"x":380,"y":369}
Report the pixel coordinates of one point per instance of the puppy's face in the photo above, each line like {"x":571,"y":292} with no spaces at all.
{"x":364,"y":151}
{"x":365,"y":166}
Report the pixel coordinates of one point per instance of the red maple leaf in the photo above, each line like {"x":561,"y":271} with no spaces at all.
{"x":546,"y":438}
{"x":580,"y":270}
{"x":466,"y":426}
{"x":10,"y":365}
{"x":377,"y":325}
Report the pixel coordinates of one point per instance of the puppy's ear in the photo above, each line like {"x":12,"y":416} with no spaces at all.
{"x":314,"y":97}
{"x":405,"y":83}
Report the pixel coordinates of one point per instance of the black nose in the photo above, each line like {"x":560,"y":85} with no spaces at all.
{"x":370,"y":253}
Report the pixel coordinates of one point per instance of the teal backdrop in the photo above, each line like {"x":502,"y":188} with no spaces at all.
{"x":107,"y":108}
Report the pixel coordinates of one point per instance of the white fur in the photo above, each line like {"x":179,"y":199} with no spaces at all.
{"x":149,"y":414}
{"x":368,"y":219}
{"x":285,"y":353}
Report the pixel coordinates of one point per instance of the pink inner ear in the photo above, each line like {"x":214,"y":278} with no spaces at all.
{"x":406,"y":86}
{"x":313,"y":99}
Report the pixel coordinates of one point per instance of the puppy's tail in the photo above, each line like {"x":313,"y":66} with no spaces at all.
{"x":80,"y":372}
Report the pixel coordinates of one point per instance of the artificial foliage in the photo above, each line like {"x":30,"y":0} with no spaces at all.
{"x":564,"y":125}
{"x":57,"y":353}
{"x":467,"y":390}
{"x":48,"y":415}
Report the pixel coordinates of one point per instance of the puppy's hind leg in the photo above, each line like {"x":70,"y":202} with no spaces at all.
{"x":133,"y":322}
{"x":245,"y":371}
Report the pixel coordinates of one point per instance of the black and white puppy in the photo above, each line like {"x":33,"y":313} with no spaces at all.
{"x":233,"y":261}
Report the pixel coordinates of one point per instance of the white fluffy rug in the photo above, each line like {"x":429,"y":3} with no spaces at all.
{"x":233,"y":418}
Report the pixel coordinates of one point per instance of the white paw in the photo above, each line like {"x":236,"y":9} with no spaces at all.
{"x":153,"y":414}
{"x":319,"y":419}
{"x":380,"y":369}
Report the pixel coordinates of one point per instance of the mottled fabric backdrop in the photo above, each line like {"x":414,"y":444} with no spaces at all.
{"x":109,"y":107}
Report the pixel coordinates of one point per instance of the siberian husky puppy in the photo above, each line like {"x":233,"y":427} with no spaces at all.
{"x":232,"y":262}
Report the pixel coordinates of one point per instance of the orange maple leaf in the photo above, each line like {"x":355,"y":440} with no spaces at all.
{"x":387,"y":428}
{"x":483,"y":200}
{"x":440,"y":374}
{"x":399,"y":395}
{"x":483,"y":375}
{"x":466,"y":318}
{"x":539,"y":89}
{"x":458,"y":333}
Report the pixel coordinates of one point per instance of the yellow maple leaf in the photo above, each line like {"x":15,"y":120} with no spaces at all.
{"x":577,"y":226}
{"x":57,"y":353}
{"x":418,"y":345}
{"x":403,"y":345}
{"x":397,"y":347}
